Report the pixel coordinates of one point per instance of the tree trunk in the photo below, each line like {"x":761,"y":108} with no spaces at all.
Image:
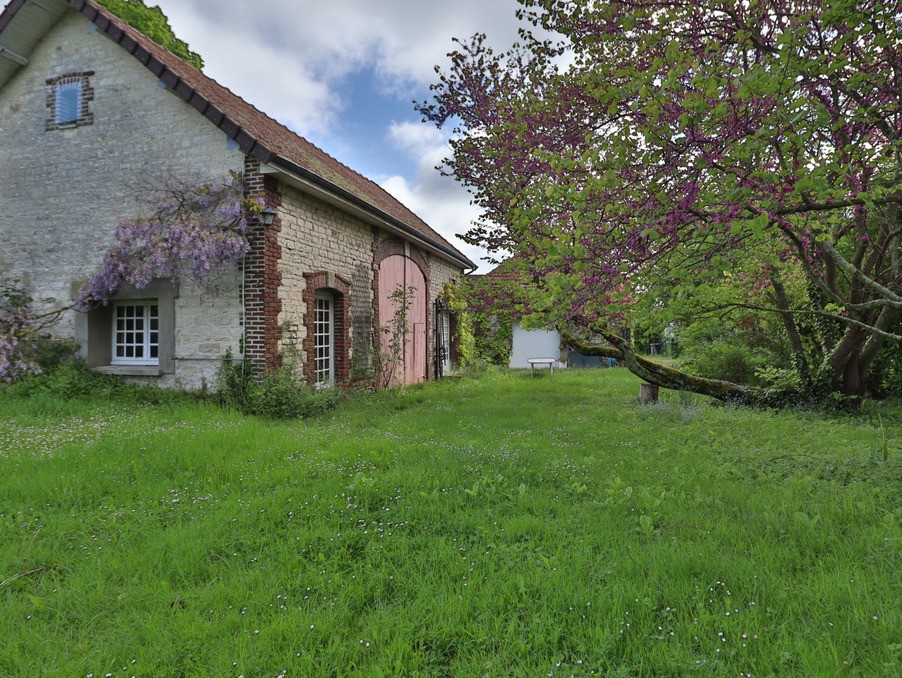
{"x":667,"y":377}
{"x":648,"y":393}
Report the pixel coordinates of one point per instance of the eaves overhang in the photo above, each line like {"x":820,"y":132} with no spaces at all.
{"x":22,"y":25}
{"x":310,"y":183}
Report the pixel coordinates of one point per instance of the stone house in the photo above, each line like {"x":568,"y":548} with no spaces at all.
{"x":89,"y":107}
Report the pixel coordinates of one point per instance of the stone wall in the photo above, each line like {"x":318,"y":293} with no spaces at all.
{"x":62,"y":191}
{"x":316,"y":237}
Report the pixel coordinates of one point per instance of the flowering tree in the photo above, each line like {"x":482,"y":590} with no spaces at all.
{"x":738,"y":154}
{"x":192,"y":229}
{"x":24,"y":341}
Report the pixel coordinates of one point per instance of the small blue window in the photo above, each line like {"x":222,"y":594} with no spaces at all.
{"x":68,"y":102}
{"x":69,"y":98}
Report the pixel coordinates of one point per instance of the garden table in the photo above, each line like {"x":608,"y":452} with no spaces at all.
{"x":541,"y":361}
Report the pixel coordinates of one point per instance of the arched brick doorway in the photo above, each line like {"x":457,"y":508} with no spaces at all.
{"x":402,"y":281}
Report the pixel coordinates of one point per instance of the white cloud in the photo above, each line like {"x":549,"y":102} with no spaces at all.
{"x":273,"y":78}
{"x":447,"y":211}
{"x":292,"y":59}
{"x":439,"y":200}
{"x":415,"y":136}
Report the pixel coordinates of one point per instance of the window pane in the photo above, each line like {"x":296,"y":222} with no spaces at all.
{"x":136,"y":334}
{"x":68,"y":102}
{"x":322,"y":340}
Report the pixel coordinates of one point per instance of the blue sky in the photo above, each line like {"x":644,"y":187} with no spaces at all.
{"x":344,"y":74}
{"x":363,"y":129}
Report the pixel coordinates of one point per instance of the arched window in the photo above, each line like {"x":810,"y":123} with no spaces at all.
{"x":324,"y":339}
{"x":327,"y":338}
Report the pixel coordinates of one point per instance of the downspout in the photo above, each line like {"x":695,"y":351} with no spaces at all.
{"x":243,"y":316}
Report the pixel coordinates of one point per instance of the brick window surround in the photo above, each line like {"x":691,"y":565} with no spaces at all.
{"x":55,"y":86}
{"x":340,"y":288}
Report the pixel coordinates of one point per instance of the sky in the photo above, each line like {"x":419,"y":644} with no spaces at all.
{"x":344,"y":74}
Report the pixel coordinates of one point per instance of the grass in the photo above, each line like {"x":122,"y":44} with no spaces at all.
{"x":499,"y":526}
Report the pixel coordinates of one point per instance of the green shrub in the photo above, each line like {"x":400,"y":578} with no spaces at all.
{"x":282,"y":394}
{"x":68,"y":380}
{"x":72,"y":379}
{"x":49,"y":352}
{"x":779,"y":380}
{"x":232,"y":383}
{"x":279,"y":394}
{"x":885,"y":379}
{"x":732,"y":362}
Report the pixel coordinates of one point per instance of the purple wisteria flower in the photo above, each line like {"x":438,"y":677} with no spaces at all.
{"x":190,"y":232}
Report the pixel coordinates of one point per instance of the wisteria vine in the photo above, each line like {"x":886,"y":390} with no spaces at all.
{"x":192,"y":229}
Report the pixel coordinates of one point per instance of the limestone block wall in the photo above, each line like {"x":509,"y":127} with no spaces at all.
{"x":315,"y":237}
{"x":208,"y":321}
{"x":62,"y":191}
{"x":441,"y":272}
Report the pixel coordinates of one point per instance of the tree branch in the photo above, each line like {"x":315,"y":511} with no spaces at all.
{"x":666,"y":377}
{"x":888,"y":294}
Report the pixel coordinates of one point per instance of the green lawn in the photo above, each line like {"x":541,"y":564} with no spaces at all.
{"x":502,"y":526}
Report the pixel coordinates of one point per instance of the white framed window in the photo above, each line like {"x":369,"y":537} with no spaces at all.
{"x":324,"y":339}
{"x":136,"y":333}
{"x":446,"y":342}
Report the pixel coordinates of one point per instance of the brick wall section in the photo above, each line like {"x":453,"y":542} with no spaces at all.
{"x":340,"y":288}
{"x":262,"y":276}
{"x":320,"y":239}
{"x":63,"y":191}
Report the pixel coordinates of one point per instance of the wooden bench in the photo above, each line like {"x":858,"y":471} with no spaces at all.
{"x":541,"y":361}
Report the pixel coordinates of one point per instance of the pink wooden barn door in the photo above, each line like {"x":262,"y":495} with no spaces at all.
{"x":398,"y":272}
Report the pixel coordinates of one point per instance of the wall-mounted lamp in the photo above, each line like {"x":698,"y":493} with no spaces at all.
{"x":267,"y":216}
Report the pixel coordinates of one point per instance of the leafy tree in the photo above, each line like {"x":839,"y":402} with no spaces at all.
{"x":155,"y":25}
{"x":733,"y":155}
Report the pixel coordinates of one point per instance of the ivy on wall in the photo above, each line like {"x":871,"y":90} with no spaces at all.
{"x":486,"y":308}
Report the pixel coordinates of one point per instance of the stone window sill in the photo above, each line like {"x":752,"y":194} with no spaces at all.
{"x":131,"y":370}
